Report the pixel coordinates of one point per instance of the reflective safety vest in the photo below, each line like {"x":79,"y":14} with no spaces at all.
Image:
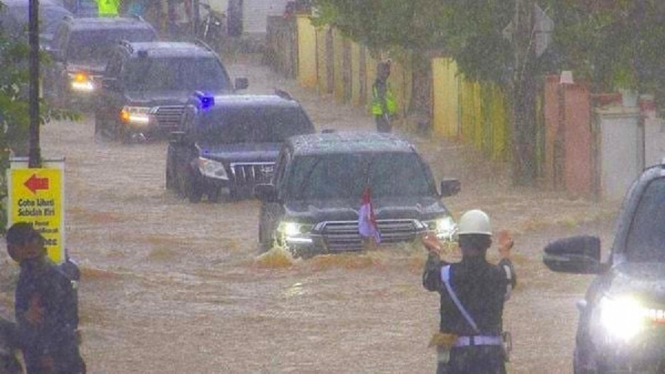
{"x":377,"y":108}
{"x":108,"y":8}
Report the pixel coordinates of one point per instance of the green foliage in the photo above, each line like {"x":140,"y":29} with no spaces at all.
{"x":619,"y":45}
{"x":14,"y":108}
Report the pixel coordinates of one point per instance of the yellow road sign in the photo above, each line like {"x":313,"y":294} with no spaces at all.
{"x":37,"y":196}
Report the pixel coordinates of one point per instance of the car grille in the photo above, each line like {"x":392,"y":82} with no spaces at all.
{"x":252,"y":173}
{"x":168,"y":117}
{"x":344,"y":236}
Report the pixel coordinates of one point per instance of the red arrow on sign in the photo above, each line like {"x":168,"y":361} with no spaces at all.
{"x":35,"y":184}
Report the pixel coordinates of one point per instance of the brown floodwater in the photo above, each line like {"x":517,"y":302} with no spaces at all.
{"x":174,"y":287}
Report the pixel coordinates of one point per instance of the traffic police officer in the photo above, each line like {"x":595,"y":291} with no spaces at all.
{"x":473,"y":293}
{"x":46,"y":307}
{"x":384,"y":106}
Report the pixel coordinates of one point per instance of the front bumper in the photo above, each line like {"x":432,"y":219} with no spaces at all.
{"x":343,"y":236}
{"x":644,"y":353}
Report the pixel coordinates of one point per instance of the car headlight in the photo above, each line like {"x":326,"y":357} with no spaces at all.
{"x":212,"y":169}
{"x":81,"y":82}
{"x":294,"y":232}
{"x":136,"y":115}
{"x":622,"y":318}
{"x":445,"y":227}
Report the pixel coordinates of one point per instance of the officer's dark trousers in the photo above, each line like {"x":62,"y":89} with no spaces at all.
{"x":383,"y":124}
{"x":67,"y":360}
{"x":474,"y":360}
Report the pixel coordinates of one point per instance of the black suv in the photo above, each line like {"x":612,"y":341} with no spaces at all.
{"x":231,"y":142}
{"x":312,"y":205}
{"x":80,"y":50}
{"x":146,"y":86}
{"x":622,"y":318}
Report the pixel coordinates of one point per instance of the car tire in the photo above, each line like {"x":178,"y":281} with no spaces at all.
{"x":214,"y":194}
{"x":100,"y":133}
{"x":191,"y":191}
{"x":170,"y":184}
{"x":266,"y":235}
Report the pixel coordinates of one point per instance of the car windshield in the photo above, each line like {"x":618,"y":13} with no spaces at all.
{"x":181,"y":73}
{"x":95,"y":45}
{"x":646,"y":238}
{"x":254,"y":125}
{"x":344,"y":176}
{"x":49,"y":16}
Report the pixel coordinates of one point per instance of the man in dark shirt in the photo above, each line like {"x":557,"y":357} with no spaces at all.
{"x":46,"y":307}
{"x":472,"y":300}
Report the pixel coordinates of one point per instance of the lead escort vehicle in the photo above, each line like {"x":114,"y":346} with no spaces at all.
{"x":146,"y":86}
{"x":80,"y":51}
{"x":230,"y":143}
{"x":622,"y":318}
{"x":313,"y":202}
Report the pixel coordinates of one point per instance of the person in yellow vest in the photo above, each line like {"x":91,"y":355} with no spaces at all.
{"x":384,"y":106}
{"x":108,"y":8}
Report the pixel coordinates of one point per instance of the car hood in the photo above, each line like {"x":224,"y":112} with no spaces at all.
{"x":645,"y":281}
{"x":94,"y":67}
{"x":248,"y":152}
{"x":314,"y":211}
{"x":156,"y":98}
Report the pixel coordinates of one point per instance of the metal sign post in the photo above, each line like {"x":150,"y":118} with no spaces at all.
{"x":33,"y":28}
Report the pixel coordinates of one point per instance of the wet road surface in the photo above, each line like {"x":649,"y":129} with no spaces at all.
{"x":174,"y":287}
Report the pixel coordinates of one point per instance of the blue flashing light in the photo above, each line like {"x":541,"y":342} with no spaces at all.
{"x":206,"y":101}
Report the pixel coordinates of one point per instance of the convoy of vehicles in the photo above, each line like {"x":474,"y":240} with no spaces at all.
{"x":622,"y":317}
{"x":230,"y":142}
{"x":146,"y":85}
{"x":14,"y":18}
{"x":312,"y":203}
{"x":80,"y":51}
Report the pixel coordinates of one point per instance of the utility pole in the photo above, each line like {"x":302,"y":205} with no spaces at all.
{"x":524,"y":90}
{"x":35,"y":157}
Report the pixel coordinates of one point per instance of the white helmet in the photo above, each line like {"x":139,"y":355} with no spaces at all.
{"x":475,"y":222}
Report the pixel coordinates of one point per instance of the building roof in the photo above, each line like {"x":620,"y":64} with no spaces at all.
{"x":349,"y":142}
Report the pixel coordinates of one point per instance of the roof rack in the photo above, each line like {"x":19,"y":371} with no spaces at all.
{"x":203,"y":44}
{"x":125,"y":43}
{"x":283,"y":94}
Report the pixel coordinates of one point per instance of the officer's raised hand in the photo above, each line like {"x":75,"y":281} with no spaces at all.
{"x":431,"y":243}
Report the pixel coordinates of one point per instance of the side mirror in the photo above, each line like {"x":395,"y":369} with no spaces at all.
{"x":241,"y":83}
{"x":265,"y":192}
{"x":450,"y":187}
{"x":177,"y":137}
{"x":110,"y":84}
{"x":576,"y":255}
{"x":56,"y":54}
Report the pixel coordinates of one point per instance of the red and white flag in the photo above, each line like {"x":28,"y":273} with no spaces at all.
{"x":367,"y":226}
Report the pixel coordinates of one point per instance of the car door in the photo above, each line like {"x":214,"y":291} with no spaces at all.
{"x":184,"y":152}
{"x":110,"y":98}
{"x":55,"y":72}
{"x":273,"y":211}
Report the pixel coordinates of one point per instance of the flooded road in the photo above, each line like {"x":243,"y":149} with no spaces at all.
{"x":174,"y":287}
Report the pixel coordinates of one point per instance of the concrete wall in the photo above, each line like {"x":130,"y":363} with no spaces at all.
{"x":307,"y":53}
{"x":570,"y":144}
{"x":255,"y":13}
{"x":654,"y":141}
{"x":620,"y":150}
